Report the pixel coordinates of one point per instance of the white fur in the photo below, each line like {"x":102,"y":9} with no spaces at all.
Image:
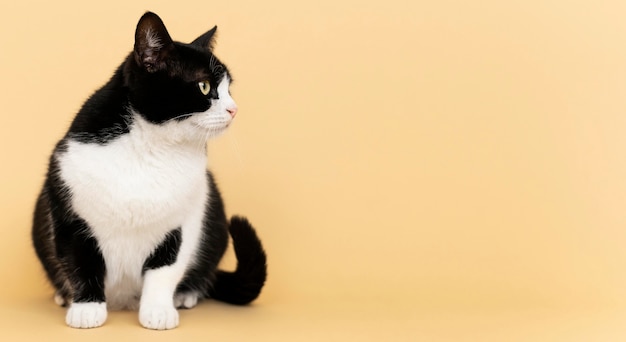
{"x":132,"y":192}
{"x":186,"y":300}
{"x":86,"y":315}
{"x":221,"y":119}
{"x":154,"y":41}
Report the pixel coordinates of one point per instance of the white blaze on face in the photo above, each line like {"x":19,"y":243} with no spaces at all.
{"x":221,"y":113}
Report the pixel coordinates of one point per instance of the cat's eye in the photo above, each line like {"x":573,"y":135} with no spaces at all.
{"x":205,"y":87}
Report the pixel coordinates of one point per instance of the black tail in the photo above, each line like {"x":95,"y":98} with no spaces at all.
{"x":244,"y":284}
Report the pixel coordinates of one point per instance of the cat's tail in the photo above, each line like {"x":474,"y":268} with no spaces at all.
{"x":244,"y":284}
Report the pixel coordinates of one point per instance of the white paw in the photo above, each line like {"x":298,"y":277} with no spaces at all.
{"x":86,"y":315}
{"x":158,"y":317}
{"x":186,"y":300}
{"x":59,"y":299}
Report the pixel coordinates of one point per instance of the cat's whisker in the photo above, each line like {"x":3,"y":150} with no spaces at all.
{"x":207,"y":136}
{"x":178,"y":117}
{"x":201,"y":143}
{"x":235,"y":147}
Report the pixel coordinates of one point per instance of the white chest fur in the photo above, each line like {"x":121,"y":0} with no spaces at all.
{"x":132,"y":192}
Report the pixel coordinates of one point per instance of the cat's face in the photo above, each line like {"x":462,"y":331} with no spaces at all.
{"x":222,"y":109}
{"x":176,"y":82}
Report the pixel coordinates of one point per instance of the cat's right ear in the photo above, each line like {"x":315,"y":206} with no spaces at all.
{"x":152,"y":43}
{"x":206,"y":40}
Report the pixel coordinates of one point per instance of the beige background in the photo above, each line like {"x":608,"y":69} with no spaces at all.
{"x":418,"y":170}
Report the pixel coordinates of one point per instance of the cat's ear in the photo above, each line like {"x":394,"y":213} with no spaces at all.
{"x":206,"y":40}
{"x":152,"y":43}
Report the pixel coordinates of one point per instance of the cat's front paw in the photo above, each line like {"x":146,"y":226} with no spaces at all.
{"x":186,"y":300}
{"x":158,"y":317}
{"x":86,"y":315}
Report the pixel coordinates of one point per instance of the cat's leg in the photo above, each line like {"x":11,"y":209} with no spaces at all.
{"x":85,"y":268}
{"x":156,"y":308}
{"x":163,"y":272}
{"x":43,"y":235}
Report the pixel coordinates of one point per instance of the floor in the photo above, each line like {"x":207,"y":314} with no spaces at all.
{"x":37,"y":318}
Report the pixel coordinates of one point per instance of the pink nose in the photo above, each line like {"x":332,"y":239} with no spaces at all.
{"x":232,"y":111}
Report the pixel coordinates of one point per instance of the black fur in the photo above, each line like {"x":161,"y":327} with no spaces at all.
{"x":166,"y":253}
{"x":104,"y":116}
{"x":159,"y":82}
{"x":242,"y":286}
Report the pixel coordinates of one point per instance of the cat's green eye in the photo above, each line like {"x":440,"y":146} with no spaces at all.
{"x":205,"y":87}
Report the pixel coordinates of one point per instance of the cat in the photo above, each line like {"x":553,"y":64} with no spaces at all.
{"x":129,"y":217}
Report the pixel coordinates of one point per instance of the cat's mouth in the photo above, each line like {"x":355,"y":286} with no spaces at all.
{"x":212,"y":123}
{"x":213,"y":129}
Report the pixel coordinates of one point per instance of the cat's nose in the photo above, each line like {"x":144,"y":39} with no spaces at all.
{"x":232,"y":111}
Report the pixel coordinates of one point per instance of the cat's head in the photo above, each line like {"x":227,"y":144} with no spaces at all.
{"x":170,"y":81}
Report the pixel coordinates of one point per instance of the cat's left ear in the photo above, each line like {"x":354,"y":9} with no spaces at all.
{"x":152,"y":43}
{"x":206,"y":40}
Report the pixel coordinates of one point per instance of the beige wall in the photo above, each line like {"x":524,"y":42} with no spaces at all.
{"x":431,"y":154}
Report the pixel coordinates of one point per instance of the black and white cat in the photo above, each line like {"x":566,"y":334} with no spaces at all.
{"x":129,"y":217}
